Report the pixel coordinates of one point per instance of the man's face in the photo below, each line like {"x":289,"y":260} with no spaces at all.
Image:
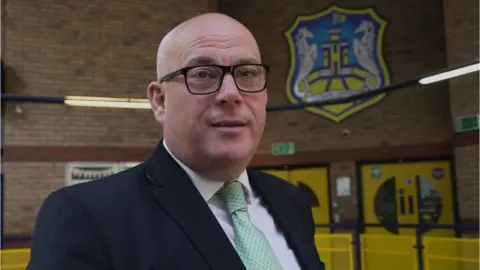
{"x":223,"y":126}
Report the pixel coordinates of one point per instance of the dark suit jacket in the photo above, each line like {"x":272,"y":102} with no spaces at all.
{"x":152,"y":217}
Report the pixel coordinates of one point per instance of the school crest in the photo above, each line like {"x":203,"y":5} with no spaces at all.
{"x":336,"y":53}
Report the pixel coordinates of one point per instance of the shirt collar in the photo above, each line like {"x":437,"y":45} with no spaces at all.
{"x":243,"y":179}
{"x":206,"y":187}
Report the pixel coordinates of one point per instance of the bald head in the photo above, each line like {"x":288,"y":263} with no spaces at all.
{"x":196,"y":32}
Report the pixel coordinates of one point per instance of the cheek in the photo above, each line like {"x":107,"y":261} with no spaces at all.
{"x":261,"y":121}
{"x":258,"y":108}
{"x":188,"y":112}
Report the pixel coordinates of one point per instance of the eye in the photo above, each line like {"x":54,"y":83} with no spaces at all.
{"x":203,"y":73}
{"x":247,"y":72}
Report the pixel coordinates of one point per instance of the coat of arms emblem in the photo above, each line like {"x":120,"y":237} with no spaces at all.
{"x":336,"y":53}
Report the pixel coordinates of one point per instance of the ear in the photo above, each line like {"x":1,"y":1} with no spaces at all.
{"x":156,"y":97}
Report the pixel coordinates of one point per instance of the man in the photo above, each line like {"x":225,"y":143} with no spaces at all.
{"x":192,"y":204}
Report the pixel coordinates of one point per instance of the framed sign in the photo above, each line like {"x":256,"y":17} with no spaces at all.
{"x":81,"y":172}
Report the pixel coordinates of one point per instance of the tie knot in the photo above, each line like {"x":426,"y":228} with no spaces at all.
{"x":234,"y":197}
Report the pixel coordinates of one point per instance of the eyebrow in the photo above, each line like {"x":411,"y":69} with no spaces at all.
{"x":201,"y":60}
{"x":205,"y":60}
{"x":246,"y":61}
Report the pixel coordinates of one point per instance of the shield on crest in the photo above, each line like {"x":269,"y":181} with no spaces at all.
{"x":336,"y":53}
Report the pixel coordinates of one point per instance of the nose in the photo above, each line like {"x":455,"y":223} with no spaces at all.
{"x":229,"y":93}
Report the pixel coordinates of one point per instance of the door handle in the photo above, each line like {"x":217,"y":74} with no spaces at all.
{"x":410,"y":204}
{"x":402,"y":205}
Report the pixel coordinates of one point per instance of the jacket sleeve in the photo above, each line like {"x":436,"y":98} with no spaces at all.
{"x":64,"y":237}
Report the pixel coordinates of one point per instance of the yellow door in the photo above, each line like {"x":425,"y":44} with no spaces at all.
{"x":313,"y":182}
{"x":403,"y":193}
{"x":407,"y":193}
{"x":389,"y":198}
{"x":436,"y":206}
{"x":436,"y":201}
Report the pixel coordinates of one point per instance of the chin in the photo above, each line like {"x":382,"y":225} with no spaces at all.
{"x":230,"y":151}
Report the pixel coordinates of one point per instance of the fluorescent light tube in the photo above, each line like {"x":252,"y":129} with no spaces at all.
{"x":450,"y":74}
{"x":105,"y":102}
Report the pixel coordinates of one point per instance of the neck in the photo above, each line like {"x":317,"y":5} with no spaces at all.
{"x":220,"y":169}
{"x":223,"y":175}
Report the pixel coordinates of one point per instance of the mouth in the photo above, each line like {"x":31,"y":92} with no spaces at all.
{"x":229,"y":124}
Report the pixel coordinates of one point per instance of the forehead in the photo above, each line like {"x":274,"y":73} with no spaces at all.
{"x":218,"y":46}
{"x":210,"y":57}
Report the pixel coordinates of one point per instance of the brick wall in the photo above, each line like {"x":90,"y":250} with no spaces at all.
{"x":461,"y":28}
{"x":71,"y":48}
{"x":56,"y":125}
{"x":67,"y":47}
{"x":27,"y":185}
{"x":466,"y":159}
{"x":414,"y":44}
{"x":462,"y":39}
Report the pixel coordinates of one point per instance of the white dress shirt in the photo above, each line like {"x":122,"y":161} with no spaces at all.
{"x":257,"y":210}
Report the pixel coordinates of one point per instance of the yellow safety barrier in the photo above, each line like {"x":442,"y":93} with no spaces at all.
{"x":335,"y":250}
{"x":442,"y":253}
{"x":15,"y":259}
{"x":379,"y":252}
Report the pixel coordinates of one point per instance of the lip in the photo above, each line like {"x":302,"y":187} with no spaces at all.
{"x":229,"y":126}
{"x":230,"y":129}
{"x":229,"y":123}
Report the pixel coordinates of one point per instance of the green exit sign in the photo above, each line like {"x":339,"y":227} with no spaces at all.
{"x":467,"y":123}
{"x":283,"y":149}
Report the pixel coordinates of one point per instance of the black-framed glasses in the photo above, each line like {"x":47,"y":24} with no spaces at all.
{"x":207,"y":79}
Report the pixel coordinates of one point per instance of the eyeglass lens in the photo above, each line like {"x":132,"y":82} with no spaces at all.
{"x":205,"y":79}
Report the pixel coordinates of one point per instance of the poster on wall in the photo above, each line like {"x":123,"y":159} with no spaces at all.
{"x":336,"y":53}
{"x":343,"y":187}
{"x":81,"y":172}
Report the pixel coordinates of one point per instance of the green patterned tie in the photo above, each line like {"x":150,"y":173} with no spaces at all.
{"x":252,"y":246}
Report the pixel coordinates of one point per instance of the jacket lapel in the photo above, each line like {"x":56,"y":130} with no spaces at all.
{"x":284,"y":215}
{"x":175,"y":192}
